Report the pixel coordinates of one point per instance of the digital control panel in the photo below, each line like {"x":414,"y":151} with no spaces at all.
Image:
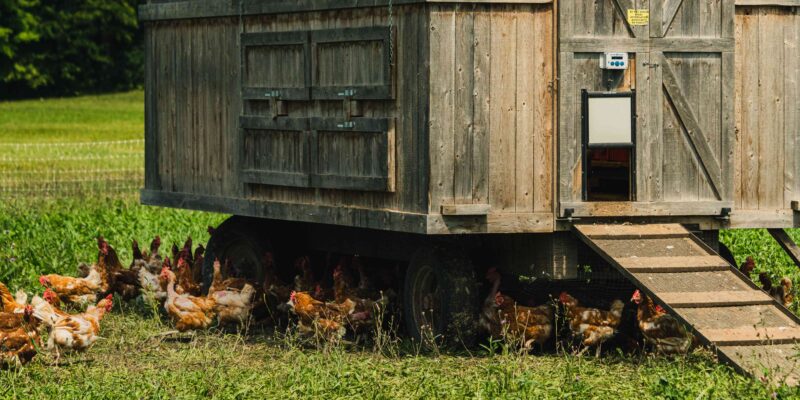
{"x":614,"y":61}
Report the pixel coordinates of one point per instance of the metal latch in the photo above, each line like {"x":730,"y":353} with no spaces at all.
{"x":273,"y":94}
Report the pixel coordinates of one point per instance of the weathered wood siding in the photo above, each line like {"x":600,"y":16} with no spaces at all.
{"x":682,"y":71}
{"x":192,"y":106}
{"x":336,"y":153}
{"x":767,"y":175}
{"x":491,"y":101}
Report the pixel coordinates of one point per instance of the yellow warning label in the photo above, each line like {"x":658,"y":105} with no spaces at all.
{"x":638,"y":17}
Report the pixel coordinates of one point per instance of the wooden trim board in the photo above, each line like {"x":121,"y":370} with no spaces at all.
{"x":386,"y":220}
{"x":646,"y":209}
{"x":232,"y":8}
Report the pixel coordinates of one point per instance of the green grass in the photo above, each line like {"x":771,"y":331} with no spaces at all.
{"x":70,"y":147}
{"x":132,"y":363}
{"x":80,"y":119}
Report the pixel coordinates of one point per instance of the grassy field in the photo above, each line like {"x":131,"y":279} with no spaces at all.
{"x":69,"y":147}
{"x":82,"y":119}
{"x":134,"y":362}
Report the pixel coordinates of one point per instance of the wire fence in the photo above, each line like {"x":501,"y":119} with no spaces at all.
{"x":112,"y":169}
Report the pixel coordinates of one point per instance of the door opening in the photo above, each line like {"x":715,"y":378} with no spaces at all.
{"x":609,"y":146}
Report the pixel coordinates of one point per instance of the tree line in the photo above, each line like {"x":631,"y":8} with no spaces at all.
{"x":69,"y":47}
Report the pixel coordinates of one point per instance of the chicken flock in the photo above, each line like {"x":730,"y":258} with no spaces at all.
{"x":174,"y":286}
{"x":324,"y":312}
{"x":502,"y":317}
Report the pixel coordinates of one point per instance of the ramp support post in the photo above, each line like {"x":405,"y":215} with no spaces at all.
{"x":787,"y":244}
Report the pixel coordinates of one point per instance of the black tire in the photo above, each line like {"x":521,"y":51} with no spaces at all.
{"x":440,"y":298}
{"x":242,"y":240}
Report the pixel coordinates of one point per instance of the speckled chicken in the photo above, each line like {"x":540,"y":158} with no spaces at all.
{"x":187,"y":312}
{"x":324,"y":320}
{"x":19,"y":337}
{"x":782,"y":293}
{"x":78,"y":332}
{"x":591,"y":325}
{"x":502,"y":317}
{"x":81,"y":291}
{"x":661,"y":330}
{"x":232,"y":306}
{"x":122,"y":281}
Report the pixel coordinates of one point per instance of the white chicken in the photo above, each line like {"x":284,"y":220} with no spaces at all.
{"x":78,"y":332}
{"x":231,"y":306}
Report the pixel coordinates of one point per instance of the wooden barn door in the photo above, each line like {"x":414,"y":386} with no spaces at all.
{"x":682,"y":71}
{"x":691,"y":68}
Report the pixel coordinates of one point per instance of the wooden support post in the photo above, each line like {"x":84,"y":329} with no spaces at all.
{"x":787,"y":244}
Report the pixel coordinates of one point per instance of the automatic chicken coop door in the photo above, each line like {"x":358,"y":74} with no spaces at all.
{"x":609,"y":146}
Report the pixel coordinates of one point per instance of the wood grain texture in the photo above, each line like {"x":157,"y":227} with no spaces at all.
{"x":766,"y":92}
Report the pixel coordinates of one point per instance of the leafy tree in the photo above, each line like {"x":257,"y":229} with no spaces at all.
{"x":72,"y":47}
{"x":17,"y":29}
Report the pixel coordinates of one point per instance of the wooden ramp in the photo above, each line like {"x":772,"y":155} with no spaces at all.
{"x":725,"y":309}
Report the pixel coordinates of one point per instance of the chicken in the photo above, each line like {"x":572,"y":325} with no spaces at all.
{"x":593,"y":326}
{"x":124,"y":282}
{"x":19,"y":337}
{"x":47,"y":309}
{"x":304,"y":282}
{"x":187,"y":312}
{"x":78,"y":332}
{"x":137,"y":254}
{"x":503,"y":317}
{"x":153,"y":258}
{"x":781,"y":293}
{"x":219,"y":283}
{"x":185,"y":278}
{"x":197,"y":263}
{"x":154,"y":287}
{"x":747,"y":266}
{"x":231,"y":306}
{"x":489,"y":319}
{"x":79,"y":291}
{"x":660,"y":329}
{"x":272,"y":283}
{"x":324,"y":320}
{"x":10,"y":304}
{"x":363,"y":316}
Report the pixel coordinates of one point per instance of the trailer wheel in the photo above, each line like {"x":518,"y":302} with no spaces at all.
{"x":441,"y":298}
{"x":242,"y":241}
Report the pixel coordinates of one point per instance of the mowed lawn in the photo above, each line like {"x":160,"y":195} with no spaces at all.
{"x":90,"y":118}
{"x":134,"y":361}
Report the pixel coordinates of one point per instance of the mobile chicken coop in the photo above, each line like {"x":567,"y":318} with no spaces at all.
{"x":456,"y":134}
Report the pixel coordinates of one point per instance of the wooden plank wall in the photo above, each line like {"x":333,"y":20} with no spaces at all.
{"x":767,"y":154}
{"x":491,"y":123}
{"x":409,"y":108}
{"x":192,"y":106}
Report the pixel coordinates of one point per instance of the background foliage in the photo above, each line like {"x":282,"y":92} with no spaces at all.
{"x":69,"y":47}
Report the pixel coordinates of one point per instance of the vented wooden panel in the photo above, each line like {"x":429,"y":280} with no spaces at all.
{"x":353,"y":63}
{"x":276,"y":65}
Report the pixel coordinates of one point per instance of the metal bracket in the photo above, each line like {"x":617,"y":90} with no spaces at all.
{"x":273,"y":94}
{"x":350,"y":110}
{"x":725,"y":214}
{"x":347,"y":93}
